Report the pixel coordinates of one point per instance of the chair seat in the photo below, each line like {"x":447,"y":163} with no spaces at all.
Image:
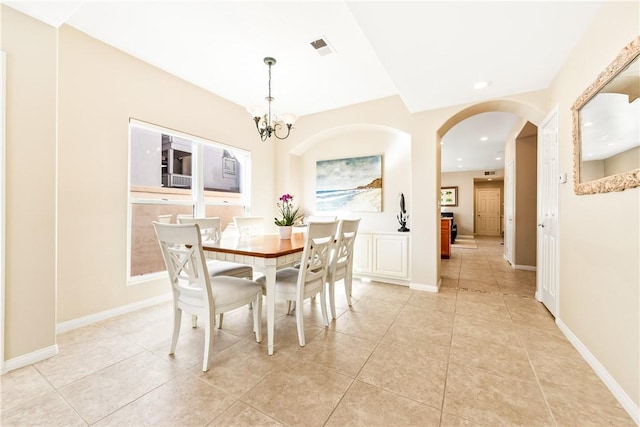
{"x":228,"y":268}
{"x":228,"y":290}
{"x":287,"y":283}
{"x":286,"y":280}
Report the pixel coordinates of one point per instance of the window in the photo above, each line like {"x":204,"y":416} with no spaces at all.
{"x":171,"y":175}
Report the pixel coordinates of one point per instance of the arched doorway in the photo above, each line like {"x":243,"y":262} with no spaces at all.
{"x":528,"y":118}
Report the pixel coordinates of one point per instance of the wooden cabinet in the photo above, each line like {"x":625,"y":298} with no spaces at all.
{"x":382,"y":255}
{"x":445,"y":237}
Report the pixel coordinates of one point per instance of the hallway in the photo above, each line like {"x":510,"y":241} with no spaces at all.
{"x":483,"y":351}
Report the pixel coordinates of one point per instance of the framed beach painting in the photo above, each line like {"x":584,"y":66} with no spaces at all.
{"x":350,"y":184}
{"x":449,"y":196}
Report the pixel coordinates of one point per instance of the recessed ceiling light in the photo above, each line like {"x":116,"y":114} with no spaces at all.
{"x":484,"y":138}
{"x":459,"y":159}
{"x":587,"y":124}
{"x":590,"y":155}
{"x":459,"y":166}
{"x":498,"y":158}
{"x":481,"y":84}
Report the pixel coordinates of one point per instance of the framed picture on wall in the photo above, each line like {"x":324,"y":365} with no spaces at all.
{"x":349,"y":184}
{"x":449,"y":196}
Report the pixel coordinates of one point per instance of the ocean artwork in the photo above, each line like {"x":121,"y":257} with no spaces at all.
{"x":351,"y":184}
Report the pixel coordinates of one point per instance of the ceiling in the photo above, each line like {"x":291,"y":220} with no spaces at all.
{"x":430,"y":53}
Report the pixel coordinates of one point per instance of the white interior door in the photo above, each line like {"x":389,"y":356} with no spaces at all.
{"x":488,"y":211}
{"x":547,"y":234}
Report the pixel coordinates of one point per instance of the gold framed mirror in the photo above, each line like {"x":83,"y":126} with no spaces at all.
{"x":606,"y":128}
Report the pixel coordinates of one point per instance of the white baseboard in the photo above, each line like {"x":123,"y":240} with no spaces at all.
{"x":618,"y":392}
{"x":425,"y":287}
{"x":96,"y":317}
{"x":371,"y":278}
{"x":30,"y":358}
{"x":525,"y":267}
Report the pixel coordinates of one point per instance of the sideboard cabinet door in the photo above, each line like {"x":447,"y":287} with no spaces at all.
{"x":382,"y":255}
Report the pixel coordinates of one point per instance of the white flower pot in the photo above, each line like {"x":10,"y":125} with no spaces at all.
{"x":285,"y":231}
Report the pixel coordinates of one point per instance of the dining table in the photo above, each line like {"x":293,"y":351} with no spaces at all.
{"x":266,"y":253}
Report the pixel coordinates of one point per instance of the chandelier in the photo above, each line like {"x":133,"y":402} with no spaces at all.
{"x":265,"y":123}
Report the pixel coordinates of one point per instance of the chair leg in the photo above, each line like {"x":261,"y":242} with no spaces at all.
{"x":300,"y":325}
{"x":347,"y":287}
{"x":290,"y":304}
{"x":209,"y":327}
{"x":332,"y":298}
{"x":323,"y":306}
{"x":220,"y":321}
{"x":177,"y":319}
{"x":257,"y":318}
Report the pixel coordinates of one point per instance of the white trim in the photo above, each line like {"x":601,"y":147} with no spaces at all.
{"x":30,"y":358}
{"x":107,"y":314}
{"x":383,"y":279}
{"x":2,"y":201}
{"x":525,"y":267}
{"x":618,"y":392}
{"x":425,"y":287}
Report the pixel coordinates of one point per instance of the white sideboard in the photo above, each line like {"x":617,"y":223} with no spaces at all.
{"x":382,"y":256}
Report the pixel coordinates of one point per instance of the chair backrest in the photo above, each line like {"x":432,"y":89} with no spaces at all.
{"x":319,"y":218}
{"x":181,"y":247}
{"x":183,"y":216}
{"x":249,"y":225}
{"x":209,"y":227}
{"x":342,"y":259}
{"x":316,"y":256}
{"x":165,"y":219}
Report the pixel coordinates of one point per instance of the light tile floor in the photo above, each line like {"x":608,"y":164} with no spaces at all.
{"x":483,"y":351}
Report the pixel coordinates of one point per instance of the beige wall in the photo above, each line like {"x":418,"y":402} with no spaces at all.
{"x":525,"y":200}
{"x":100,"y":89}
{"x":425,"y":130}
{"x":395,"y":149}
{"x":591,"y":170}
{"x":30,"y":183}
{"x":622,"y":162}
{"x":599,"y":234}
{"x":465,"y":211}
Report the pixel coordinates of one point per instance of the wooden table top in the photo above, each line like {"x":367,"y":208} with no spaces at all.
{"x":264,"y":246}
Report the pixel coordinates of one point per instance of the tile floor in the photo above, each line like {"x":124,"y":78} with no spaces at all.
{"x":480,"y":352}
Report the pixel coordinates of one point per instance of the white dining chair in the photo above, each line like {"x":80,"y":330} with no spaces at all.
{"x":307,"y":281}
{"x":183,"y":216}
{"x":319,"y":218}
{"x":341,"y":266}
{"x":249,"y":225}
{"x":210,"y":231}
{"x":165,"y":219}
{"x":195,"y":291}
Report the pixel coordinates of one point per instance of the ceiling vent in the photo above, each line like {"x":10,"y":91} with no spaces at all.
{"x":489,"y":173}
{"x":322,"y":46}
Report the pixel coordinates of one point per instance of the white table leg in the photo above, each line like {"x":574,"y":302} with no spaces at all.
{"x":270,"y":274}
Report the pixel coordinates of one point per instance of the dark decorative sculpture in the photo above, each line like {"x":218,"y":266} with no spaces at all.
{"x":402,"y":216}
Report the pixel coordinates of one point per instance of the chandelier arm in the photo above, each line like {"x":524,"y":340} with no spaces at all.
{"x":288,"y":131}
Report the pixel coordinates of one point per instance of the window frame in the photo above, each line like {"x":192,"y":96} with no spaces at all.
{"x":197,"y":200}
